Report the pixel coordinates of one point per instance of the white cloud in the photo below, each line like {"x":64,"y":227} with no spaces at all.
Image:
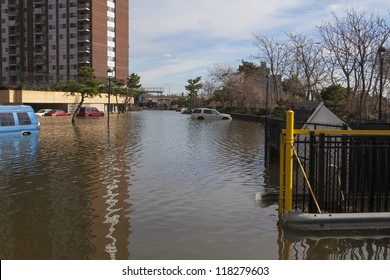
{"x":175,"y":40}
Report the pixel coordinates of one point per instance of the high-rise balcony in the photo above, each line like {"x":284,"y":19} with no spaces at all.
{"x":83,"y":17}
{"x":84,"y":49}
{"x":40,"y":39}
{"x":13,"y":51}
{"x":40,"y":10}
{"x":39,"y":30}
{"x":13,"y":30}
{"x":82,"y":37}
{"x":39,"y":68}
{"x":40,"y":50}
{"x":83,"y":5}
{"x":13,"y":22}
{"x":83,"y":58}
{"x":14,"y":61}
{"x":14,"y":41}
{"x":39,"y":19}
{"x":13,"y":4}
{"x":84,"y":26}
{"x":39,"y":61}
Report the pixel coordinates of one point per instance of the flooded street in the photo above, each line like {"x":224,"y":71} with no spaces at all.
{"x":150,"y":185}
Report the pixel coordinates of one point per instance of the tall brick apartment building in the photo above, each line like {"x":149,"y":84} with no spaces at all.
{"x":44,"y":42}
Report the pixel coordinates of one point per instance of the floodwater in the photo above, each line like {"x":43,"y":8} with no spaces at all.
{"x":150,"y":185}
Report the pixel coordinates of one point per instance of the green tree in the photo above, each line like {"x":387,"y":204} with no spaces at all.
{"x":86,"y":86}
{"x":335,"y":98}
{"x":248,"y":67}
{"x":193,"y":87}
{"x":133,"y":88}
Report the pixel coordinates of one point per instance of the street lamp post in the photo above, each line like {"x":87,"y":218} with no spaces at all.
{"x":381,"y":50}
{"x":266,"y":121}
{"x":266,"y":96}
{"x":109,"y":74}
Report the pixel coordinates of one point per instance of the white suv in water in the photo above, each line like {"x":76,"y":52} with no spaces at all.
{"x":209,"y":114}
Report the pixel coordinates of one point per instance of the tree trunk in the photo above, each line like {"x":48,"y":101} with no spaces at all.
{"x":77,"y":109}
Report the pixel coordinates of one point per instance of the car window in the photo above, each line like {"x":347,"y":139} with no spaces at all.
{"x":94,"y":109}
{"x":207,"y":112}
{"x":197,"y":111}
{"x":23,"y":119}
{"x":7,"y":119}
{"x":214,"y":112}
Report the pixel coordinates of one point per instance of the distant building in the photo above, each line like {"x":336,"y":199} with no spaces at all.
{"x":44,"y":42}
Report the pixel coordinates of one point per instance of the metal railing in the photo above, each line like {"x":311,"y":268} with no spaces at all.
{"x":334,"y":171}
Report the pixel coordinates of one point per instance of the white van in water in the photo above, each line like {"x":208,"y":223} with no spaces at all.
{"x":18,"y":119}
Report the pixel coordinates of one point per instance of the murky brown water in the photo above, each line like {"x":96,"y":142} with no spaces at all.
{"x":152,"y":185}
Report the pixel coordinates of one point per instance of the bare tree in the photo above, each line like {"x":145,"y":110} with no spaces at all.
{"x":352,"y":43}
{"x":276,"y":54}
{"x":308,"y":62}
{"x":222,"y":77}
{"x":219,"y":74}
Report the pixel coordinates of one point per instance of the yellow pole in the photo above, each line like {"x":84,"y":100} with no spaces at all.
{"x":281,"y":175}
{"x":289,"y":154}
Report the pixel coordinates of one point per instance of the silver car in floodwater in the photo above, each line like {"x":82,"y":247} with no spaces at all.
{"x":209,"y":114}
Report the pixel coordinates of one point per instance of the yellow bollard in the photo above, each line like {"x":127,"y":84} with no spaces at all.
{"x":289,"y":153}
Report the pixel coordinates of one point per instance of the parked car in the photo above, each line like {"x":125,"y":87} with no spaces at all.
{"x":89,"y":111}
{"x":56,"y":113}
{"x":186,"y":111}
{"x":209,"y":114}
{"x":42,"y":112}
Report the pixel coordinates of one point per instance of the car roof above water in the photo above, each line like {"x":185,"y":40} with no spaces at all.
{"x":18,"y":119}
{"x":16,"y":108}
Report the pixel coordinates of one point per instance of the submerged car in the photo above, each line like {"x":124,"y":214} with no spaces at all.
{"x":18,"y":119}
{"x":186,"y":111}
{"x":42,"y":112}
{"x":89,"y":111}
{"x":209,"y":114}
{"x":56,"y":113}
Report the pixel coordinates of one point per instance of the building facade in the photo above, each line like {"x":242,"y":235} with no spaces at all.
{"x":45,"y":42}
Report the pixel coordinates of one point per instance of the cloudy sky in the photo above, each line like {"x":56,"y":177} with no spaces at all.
{"x":172,"y":41}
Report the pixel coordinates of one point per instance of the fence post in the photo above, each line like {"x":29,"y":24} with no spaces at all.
{"x":282,"y":148}
{"x":312,"y":169}
{"x":289,"y":153}
{"x":324,"y":204}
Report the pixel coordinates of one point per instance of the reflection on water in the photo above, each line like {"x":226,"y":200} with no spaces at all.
{"x":151,"y":185}
{"x":336,"y":246}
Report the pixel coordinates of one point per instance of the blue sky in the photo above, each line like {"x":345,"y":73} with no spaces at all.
{"x":172,"y":41}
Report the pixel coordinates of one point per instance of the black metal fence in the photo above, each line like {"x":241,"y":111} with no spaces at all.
{"x":347,"y":173}
{"x":272,"y":130}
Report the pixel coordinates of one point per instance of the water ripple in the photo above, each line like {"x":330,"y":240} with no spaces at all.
{"x":148,"y":185}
